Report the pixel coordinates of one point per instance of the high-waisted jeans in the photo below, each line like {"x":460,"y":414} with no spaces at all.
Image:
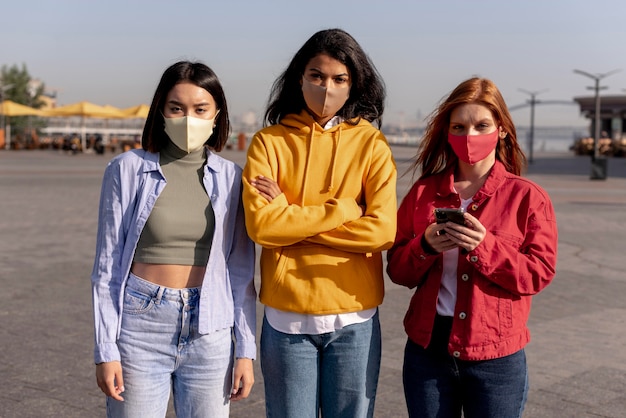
{"x":335,"y":373}
{"x":162,"y":351}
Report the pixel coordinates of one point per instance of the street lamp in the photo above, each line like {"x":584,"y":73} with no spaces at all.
{"x":532,"y":102}
{"x":31,"y":90}
{"x":596,"y":137}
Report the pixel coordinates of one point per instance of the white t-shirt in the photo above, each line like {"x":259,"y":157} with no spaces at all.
{"x":447,"y":291}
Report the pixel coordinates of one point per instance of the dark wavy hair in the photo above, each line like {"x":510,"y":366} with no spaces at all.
{"x":367,"y":93}
{"x":435,"y":154}
{"x":154,"y":137}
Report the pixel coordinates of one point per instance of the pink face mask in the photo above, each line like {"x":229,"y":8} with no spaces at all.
{"x":473,"y":148}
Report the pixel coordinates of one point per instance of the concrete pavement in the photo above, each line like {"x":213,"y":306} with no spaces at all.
{"x":48,"y":211}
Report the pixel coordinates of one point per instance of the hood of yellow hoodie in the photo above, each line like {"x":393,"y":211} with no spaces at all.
{"x":309,"y":130}
{"x":305,"y":122}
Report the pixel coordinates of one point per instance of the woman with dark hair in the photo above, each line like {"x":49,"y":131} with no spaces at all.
{"x":474,"y":279}
{"x":320,"y":198}
{"x":174,"y":268}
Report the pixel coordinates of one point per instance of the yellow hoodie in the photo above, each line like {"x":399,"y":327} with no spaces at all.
{"x":321,"y":254}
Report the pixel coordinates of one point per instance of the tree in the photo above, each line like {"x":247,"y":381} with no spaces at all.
{"x":23,"y":89}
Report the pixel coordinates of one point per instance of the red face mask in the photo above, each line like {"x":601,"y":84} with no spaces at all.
{"x":473,"y":148}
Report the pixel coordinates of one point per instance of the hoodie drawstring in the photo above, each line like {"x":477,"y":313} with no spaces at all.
{"x":333,"y":161}
{"x":308,"y":161}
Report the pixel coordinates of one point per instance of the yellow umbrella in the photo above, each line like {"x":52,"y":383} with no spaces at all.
{"x":10,"y":108}
{"x":115,"y":111}
{"x":139,"y":111}
{"x":86,"y":110}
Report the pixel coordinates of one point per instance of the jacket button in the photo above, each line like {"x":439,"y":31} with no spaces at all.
{"x":473,"y":259}
{"x":465,"y":277}
{"x":456,"y":354}
{"x":474,"y":207}
{"x":462,"y":315}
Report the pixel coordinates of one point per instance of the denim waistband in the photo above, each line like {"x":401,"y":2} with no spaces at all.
{"x":161,"y":292}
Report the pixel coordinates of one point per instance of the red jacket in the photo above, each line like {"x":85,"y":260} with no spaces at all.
{"x":496,"y":280}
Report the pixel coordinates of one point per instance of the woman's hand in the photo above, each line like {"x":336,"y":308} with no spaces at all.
{"x":449,"y":235}
{"x":267,"y":188}
{"x":467,"y":236}
{"x":243,"y":379}
{"x":110,"y":380}
{"x":438,"y":239}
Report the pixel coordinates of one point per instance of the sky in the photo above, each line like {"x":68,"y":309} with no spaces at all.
{"x":114,"y":52}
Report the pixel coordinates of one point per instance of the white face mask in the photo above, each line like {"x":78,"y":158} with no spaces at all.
{"x":324,"y":101}
{"x":189,"y":133}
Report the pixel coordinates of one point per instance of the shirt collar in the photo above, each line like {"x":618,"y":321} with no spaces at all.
{"x":334,"y":121}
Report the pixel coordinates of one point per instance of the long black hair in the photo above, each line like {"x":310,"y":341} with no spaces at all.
{"x":367,"y":93}
{"x":154,"y":137}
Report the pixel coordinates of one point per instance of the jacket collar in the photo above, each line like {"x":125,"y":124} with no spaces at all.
{"x":496,"y":177}
{"x":304,"y":122}
{"x":150,"y":161}
{"x":213,"y":161}
{"x":494,"y":180}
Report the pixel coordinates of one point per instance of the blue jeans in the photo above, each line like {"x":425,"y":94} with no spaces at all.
{"x":335,"y":373}
{"x":439,"y":385}
{"x":161,"y":351}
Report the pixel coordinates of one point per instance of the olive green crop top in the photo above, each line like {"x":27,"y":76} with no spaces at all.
{"x":180,"y":227}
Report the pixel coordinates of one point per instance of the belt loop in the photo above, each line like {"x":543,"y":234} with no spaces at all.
{"x":159,"y":295}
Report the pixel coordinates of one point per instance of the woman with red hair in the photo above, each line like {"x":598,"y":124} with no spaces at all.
{"x":474,"y":279}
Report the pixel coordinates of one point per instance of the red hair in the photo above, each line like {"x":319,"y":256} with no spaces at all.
{"x":435,"y":155}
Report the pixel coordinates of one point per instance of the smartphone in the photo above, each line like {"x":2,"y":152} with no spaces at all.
{"x":455,"y":215}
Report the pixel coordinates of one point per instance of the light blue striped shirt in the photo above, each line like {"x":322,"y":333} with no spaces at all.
{"x":132,"y":183}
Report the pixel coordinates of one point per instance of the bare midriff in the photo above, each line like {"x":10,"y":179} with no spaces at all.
{"x":170,"y":275}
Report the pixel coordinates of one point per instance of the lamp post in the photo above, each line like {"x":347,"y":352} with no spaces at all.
{"x":598,"y":167}
{"x":31,"y":89}
{"x":531,"y":135}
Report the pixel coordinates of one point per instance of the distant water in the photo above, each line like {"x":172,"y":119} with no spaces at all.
{"x":546,"y":139}
{"x":552,"y":139}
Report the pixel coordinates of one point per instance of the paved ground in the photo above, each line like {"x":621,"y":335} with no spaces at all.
{"x":48,"y":212}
